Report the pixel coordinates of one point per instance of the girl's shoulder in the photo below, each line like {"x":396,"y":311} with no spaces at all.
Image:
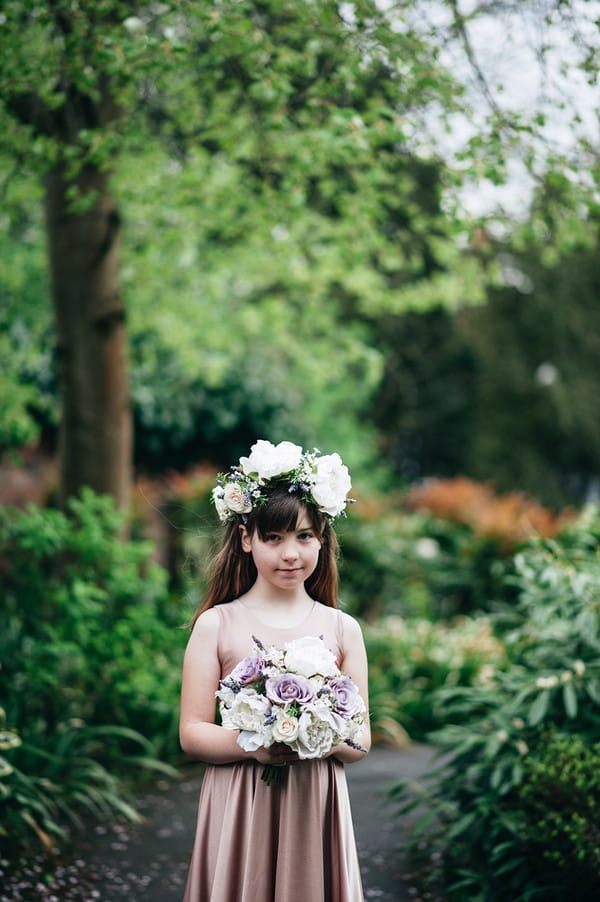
{"x":213,"y":621}
{"x":338,"y":623}
{"x":348,"y":620}
{"x":337,"y":614}
{"x":213,"y":625}
{"x":221,"y":614}
{"x":348,"y":624}
{"x":206,"y":623}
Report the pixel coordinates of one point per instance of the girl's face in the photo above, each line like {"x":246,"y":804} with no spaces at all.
{"x":285,"y":558}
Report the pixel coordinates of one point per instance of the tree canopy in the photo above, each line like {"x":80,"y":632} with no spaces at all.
{"x":283,"y":173}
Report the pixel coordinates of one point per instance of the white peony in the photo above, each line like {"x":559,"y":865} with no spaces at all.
{"x":309,"y":656}
{"x":339,"y":726}
{"x":316,"y":733}
{"x":285,"y":727}
{"x":330,"y":483}
{"x":267,"y":460}
{"x":247,"y":711}
{"x":250,"y":741}
{"x":226,"y":698}
{"x":226,"y":720}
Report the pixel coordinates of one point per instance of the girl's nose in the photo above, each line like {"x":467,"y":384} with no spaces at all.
{"x":289,"y":551}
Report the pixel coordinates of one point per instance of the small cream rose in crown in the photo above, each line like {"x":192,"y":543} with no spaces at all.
{"x":296,"y":695}
{"x":320,"y":480}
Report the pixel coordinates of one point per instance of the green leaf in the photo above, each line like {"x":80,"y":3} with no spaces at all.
{"x":462,"y":825}
{"x":538,"y":710}
{"x":497,"y":775}
{"x":5,"y":767}
{"x":593,"y":690}
{"x":570,"y":699}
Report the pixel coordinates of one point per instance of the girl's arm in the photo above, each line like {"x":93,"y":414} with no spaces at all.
{"x":354,"y":663}
{"x":199,"y":735}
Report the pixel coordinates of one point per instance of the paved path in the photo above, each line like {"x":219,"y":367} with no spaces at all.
{"x":379,"y":831}
{"x":148,"y":863}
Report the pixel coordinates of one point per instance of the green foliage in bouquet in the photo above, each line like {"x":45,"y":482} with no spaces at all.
{"x":520,"y":750}
{"x":89,"y":661}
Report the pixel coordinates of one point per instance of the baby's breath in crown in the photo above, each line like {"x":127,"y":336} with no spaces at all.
{"x":320,"y":480}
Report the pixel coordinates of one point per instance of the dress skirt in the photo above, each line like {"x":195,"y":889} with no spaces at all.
{"x":292,"y":842}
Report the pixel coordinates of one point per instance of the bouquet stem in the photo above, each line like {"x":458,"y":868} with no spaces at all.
{"x":274,"y":774}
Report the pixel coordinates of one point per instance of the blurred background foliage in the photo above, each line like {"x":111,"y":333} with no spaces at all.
{"x":515,"y":784}
{"x":503,"y":390}
{"x":295,"y":261}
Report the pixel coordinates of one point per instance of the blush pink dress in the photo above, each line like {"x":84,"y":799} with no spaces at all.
{"x":288,"y":843}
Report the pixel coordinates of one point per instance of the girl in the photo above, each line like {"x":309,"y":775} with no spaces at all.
{"x":275,"y":578}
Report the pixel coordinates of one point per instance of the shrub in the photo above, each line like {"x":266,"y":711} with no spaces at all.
{"x":492,"y":798}
{"x":79,"y":771}
{"x":413,"y":564}
{"x":560,"y":798}
{"x":409,"y":659}
{"x":508,"y":519}
{"x":90,"y":658}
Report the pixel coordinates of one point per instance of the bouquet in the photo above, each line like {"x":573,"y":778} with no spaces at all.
{"x":295,"y":695}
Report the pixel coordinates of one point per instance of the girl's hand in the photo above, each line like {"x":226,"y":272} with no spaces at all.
{"x":278,"y":753}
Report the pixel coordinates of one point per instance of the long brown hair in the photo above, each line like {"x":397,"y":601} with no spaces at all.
{"x":233,"y":571}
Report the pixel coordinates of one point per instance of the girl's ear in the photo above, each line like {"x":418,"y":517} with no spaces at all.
{"x":245,"y":537}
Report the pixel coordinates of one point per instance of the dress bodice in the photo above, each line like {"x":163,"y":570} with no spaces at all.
{"x":238,"y":625}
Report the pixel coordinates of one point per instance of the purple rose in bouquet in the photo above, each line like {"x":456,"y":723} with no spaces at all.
{"x":288,"y":687}
{"x":346,"y":699}
{"x":247,"y":671}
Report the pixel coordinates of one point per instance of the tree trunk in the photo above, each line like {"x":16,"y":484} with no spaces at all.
{"x":95,"y":432}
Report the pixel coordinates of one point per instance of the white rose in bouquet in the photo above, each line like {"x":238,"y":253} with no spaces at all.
{"x":285,"y":727}
{"x":309,"y":656}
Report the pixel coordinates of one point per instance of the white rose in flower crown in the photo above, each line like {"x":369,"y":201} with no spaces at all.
{"x":309,"y":656}
{"x":235,"y":500}
{"x":330,"y":484}
{"x":221,"y":507}
{"x":268,"y":460}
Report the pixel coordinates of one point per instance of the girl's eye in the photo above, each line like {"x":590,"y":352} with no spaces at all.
{"x":305,"y":535}
{"x":272,"y":537}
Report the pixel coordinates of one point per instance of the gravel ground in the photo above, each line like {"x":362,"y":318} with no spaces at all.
{"x":148,"y":862}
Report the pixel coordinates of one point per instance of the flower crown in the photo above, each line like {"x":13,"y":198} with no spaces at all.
{"x":320,"y":480}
